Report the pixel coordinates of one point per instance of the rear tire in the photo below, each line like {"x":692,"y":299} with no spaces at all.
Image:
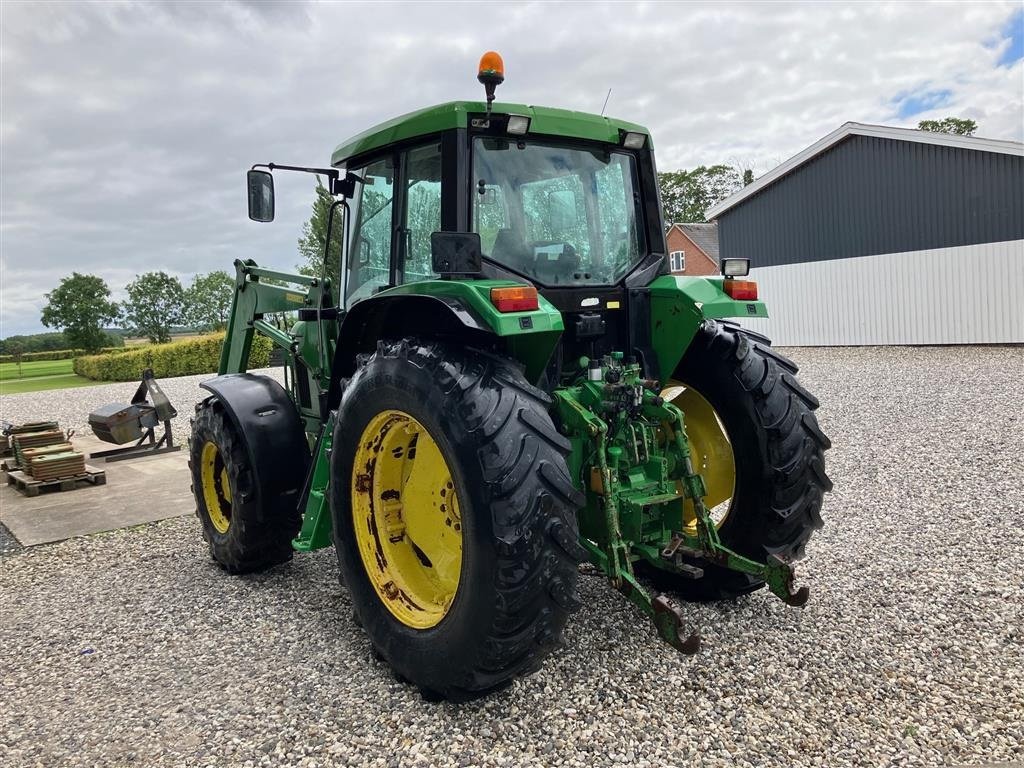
{"x":519,"y":546}
{"x":246,"y":527}
{"x":778,"y":449}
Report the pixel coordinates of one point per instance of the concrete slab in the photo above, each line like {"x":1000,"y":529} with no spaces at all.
{"x":138,"y":490}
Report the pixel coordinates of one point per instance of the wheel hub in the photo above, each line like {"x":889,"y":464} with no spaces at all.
{"x":216,"y":487}
{"x":406,"y":517}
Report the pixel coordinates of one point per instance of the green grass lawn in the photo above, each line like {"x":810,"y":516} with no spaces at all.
{"x":39,"y":375}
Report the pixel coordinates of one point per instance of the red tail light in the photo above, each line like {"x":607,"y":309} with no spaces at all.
{"x":516,"y":298}
{"x":741,"y":290}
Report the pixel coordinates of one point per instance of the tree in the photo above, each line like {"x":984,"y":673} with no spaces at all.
{"x":748,"y":177}
{"x":314,"y":235}
{"x":687,"y":195}
{"x":34,"y":342}
{"x":957,"y":125}
{"x":80,"y":306}
{"x":17,"y":351}
{"x":208,"y":301}
{"x":156,"y":301}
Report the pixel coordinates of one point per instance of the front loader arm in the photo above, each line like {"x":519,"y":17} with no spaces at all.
{"x":252,"y":300}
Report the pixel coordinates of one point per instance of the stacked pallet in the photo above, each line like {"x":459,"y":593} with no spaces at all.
{"x":31,"y":454}
{"x":26,"y":440}
{"x":33,"y":426}
{"x":56,"y":466}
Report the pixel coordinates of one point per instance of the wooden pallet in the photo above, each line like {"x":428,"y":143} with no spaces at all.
{"x":32,"y":487}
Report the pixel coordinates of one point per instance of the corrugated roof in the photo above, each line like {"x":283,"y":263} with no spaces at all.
{"x":861,"y":129}
{"x":704,"y":236}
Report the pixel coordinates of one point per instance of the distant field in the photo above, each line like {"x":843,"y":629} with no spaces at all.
{"x":39,"y":375}
{"x":139,"y":341}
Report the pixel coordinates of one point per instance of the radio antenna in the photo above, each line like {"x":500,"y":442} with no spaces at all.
{"x":606,"y":102}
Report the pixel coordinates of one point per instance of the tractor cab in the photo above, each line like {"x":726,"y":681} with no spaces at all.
{"x":562,"y":201}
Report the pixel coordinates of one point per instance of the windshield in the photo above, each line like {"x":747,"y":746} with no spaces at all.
{"x":558,"y":215}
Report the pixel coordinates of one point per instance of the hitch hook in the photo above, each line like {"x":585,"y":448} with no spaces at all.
{"x":668,"y":620}
{"x":779,"y":575}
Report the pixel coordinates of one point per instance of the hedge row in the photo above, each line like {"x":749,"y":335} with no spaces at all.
{"x":179,"y":358}
{"x":56,"y":354}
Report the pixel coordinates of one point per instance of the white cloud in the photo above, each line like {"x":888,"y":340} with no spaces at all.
{"x":126,"y":128}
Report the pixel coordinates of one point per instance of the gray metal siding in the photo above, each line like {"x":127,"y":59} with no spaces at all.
{"x":870,"y":195}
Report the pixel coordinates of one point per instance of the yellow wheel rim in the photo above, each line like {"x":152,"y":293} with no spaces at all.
{"x":216,"y":487}
{"x":710,"y":450}
{"x":406,"y":518}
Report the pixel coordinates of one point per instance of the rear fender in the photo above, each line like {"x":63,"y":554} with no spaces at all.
{"x":261,"y":411}
{"x":678,"y":307}
{"x":450,"y":310}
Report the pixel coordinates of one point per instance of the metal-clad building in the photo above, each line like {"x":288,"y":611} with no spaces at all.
{"x":878,"y":235}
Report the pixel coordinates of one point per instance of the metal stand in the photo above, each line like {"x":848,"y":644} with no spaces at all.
{"x":142,"y":417}
{"x":147,"y":445}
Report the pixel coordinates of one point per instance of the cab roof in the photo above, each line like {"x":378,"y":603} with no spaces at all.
{"x":546,"y":121}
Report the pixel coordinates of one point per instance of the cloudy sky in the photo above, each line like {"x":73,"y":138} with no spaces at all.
{"x":126,"y":127}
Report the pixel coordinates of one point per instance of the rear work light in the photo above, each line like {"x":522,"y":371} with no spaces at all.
{"x":515,"y":298}
{"x":634,"y":140}
{"x":518,"y":125}
{"x":741,"y":290}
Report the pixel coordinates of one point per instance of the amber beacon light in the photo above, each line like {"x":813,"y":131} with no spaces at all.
{"x":491,"y":74}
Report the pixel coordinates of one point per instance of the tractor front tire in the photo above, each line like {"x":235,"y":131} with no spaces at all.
{"x":454,"y":517}
{"x":778,"y":450}
{"x":246,"y":526}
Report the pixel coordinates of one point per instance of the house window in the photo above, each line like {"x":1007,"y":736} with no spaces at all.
{"x":677,"y":261}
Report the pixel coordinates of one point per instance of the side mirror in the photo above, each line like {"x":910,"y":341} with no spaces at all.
{"x":261,"y":195}
{"x":455,"y":253}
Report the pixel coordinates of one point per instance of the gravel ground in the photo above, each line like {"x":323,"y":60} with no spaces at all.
{"x":133,"y":648}
{"x":8,"y":544}
{"x":71,"y":407}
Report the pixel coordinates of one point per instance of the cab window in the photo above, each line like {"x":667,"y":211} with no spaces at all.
{"x":422,"y":205}
{"x":369,"y":259}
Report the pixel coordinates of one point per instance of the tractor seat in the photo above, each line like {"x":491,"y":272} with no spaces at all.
{"x":509,"y":249}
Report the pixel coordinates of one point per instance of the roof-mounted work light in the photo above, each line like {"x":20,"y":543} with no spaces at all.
{"x":518,"y":125}
{"x":634,"y":140}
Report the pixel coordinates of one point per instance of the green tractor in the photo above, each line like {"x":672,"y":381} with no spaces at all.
{"x":495,"y":378}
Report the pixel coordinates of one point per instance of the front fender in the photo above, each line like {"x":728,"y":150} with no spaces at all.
{"x":678,"y":307}
{"x":261,"y":411}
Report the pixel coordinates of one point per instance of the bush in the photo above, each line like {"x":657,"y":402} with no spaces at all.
{"x":56,"y":354}
{"x":179,"y":358}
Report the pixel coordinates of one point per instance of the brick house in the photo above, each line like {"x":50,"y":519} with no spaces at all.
{"x":693,"y":249}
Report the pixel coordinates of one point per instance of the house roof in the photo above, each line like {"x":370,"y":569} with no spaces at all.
{"x":861,"y":129}
{"x":704,"y":236}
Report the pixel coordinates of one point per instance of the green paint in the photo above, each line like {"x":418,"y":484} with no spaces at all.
{"x":545,"y":121}
{"x":680,"y":304}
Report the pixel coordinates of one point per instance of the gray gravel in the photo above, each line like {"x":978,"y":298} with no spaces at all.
{"x":71,"y":407}
{"x":133,"y":648}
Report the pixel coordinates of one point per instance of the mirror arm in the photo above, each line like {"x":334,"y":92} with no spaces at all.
{"x":337,"y":185}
